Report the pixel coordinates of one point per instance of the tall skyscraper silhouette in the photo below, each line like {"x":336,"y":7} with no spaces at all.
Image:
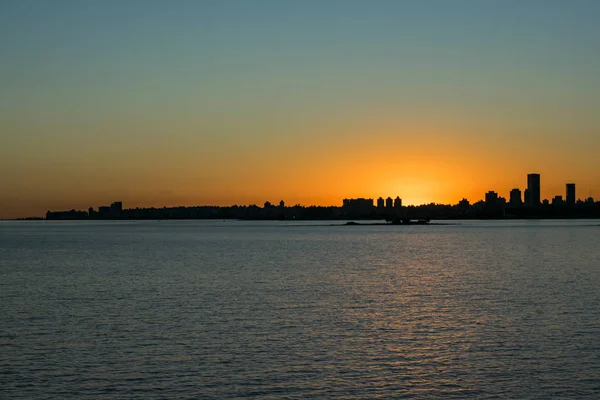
{"x":571,"y":193}
{"x":533,"y":188}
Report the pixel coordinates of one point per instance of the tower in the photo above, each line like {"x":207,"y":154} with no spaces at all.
{"x":533,"y":188}
{"x":570,"y":193}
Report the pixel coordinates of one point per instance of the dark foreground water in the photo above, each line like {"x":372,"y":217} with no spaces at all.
{"x":229,"y":310}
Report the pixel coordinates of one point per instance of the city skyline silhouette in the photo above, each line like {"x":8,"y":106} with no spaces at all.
{"x":525,"y":203}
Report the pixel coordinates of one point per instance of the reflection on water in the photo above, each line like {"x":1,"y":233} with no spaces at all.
{"x":212,"y":309}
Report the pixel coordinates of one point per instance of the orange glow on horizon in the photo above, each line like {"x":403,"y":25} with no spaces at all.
{"x":418,"y":162}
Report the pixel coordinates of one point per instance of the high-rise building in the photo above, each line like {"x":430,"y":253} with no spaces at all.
{"x":534,"y":188}
{"x":380,"y":203}
{"x":570,"y":193}
{"x":116,"y":208}
{"x":515,"y":197}
{"x":358,"y":207}
{"x":389,"y":203}
{"x":398,"y":202}
{"x":491,"y":199}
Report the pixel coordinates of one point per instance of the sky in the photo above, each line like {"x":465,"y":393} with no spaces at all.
{"x":166,"y":103}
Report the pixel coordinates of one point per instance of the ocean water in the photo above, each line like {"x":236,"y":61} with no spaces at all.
{"x":282,"y":310}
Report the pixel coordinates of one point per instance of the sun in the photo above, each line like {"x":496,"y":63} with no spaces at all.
{"x":412,"y":191}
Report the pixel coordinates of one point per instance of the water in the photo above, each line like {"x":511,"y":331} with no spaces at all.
{"x":223,"y":310}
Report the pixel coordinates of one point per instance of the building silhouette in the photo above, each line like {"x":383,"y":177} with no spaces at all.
{"x":116,"y":208}
{"x":389,"y":203}
{"x":557,"y":200}
{"x":398,"y":203}
{"x":515,"y":198}
{"x":571,"y":193}
{"x":358,"y":207}
{"x":380,"y":203}
{"x":534,"y":190}
{"x":491,"y":199}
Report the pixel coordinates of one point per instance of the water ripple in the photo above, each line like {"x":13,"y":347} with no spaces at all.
{"x":186,"y":310}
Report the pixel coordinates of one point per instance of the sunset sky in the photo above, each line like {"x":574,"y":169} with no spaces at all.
{"x":165,"y":103}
